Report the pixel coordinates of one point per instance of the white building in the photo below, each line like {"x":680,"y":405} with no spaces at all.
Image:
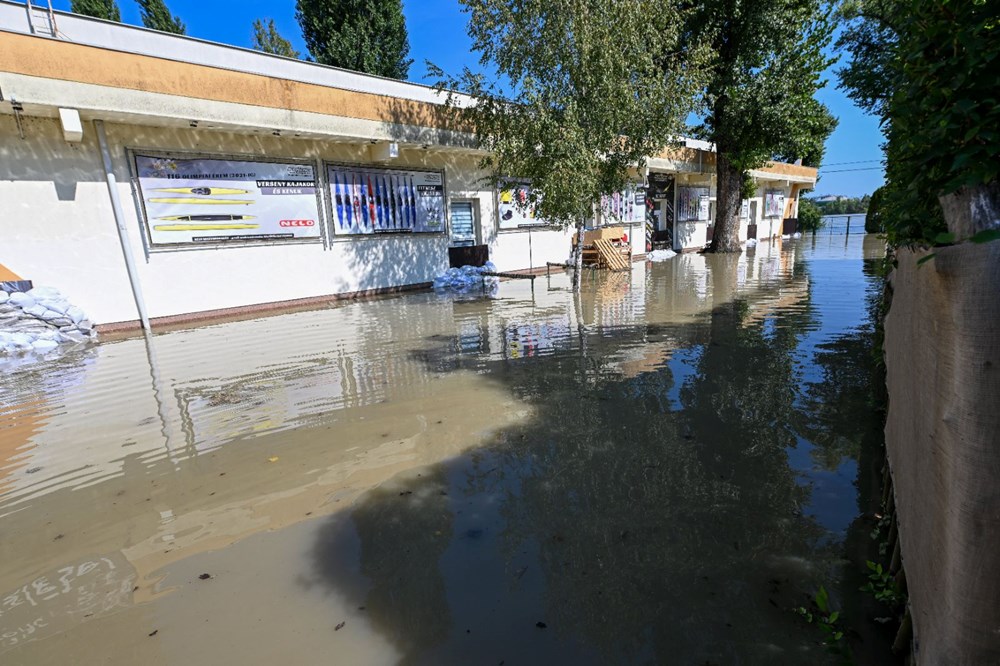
{"x":241,"y":180}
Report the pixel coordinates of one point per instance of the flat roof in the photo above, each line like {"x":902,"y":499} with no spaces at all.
{"x":66,"y":26}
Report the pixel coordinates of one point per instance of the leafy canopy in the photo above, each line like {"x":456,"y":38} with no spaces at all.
{"x":759,"y":103}
{"x":156,"y":16}
{"x":593,"y":88}
{"x":938,"y":65}
{"x":362,"y":35}
{"x":267,"y":39}
{"x":102,"y":9}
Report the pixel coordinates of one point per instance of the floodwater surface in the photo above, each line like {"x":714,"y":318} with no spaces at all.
{"x":658,"y":471}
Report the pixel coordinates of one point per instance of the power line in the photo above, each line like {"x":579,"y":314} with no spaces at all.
{"x":843,"y":163}
{"x":864,"y":169}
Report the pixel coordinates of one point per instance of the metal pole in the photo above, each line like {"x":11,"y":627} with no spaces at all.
{"x":531,"y":259}
{"x":116,"y":207}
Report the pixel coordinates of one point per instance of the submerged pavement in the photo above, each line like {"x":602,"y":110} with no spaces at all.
{"x":658,"y":471}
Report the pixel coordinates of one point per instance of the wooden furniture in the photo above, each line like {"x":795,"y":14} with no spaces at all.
{"x":606,"y":248}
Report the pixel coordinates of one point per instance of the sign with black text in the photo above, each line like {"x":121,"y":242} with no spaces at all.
{"x":207,"y":200}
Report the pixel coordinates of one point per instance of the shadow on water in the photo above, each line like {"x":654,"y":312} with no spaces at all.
{"x":652,"y":509}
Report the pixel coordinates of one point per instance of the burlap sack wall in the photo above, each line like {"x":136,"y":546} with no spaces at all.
{"x":942,"y":344}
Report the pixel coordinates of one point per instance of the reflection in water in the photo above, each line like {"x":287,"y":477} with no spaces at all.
{"x":460,"y":481}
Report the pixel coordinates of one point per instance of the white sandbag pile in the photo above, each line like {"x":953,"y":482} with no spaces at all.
{"x":661,"y":255}
{"x":466,"y":278}
{"x":40,"y":321}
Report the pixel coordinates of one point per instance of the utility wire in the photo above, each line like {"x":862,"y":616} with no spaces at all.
{"x":864,"y":169}
{"x":843,"y":163}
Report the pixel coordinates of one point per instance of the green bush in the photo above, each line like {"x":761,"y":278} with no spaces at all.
{"x":930,"y":69}
{"x":875,"y":220}
{"x":810,"y":217}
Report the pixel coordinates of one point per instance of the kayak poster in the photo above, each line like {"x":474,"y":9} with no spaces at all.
{"x":774,"y":203}
{"x":515,"y":207}
{"x":385,"y":201}
{"x":207,"y":200}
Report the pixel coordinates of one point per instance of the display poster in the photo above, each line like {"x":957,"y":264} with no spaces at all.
{"x":208,"y":200}
{"x":745,"y":209}
{"x":515,"y":206}
{"x":704,"y":207}
{"x":774,"y":203}
{"x":660,"y":186}
{"x":385,"y":201}
{"x":628,"y":206}
{"x":692,"y":204}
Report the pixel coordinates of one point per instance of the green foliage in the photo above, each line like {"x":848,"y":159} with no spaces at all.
{"x":362,"y":35}
{"x":810,"y":217}
{"x":875,"y":218}
{"x":267,"y":39}
{"x":827,"y":620}
{"x":593,"y":93}
{"x":844,"y":206}
{"x":869,"y":38}
{"x":882,"y":585}
{"x":102,"y":9}
{"x":759,"y":102}
{"x":156,"y":16}
{"x":934,"y":70}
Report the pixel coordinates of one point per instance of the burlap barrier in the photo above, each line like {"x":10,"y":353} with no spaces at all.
{"x":942,"y":347}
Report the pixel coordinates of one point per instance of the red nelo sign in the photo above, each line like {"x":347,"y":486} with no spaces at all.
{"x":297,"y":223}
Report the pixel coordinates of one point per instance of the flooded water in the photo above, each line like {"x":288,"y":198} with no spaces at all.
{"x":658,"y":471}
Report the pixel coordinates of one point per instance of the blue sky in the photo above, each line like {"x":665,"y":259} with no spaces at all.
{"x":437,"y":33}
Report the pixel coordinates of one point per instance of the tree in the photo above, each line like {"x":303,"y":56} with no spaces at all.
{"x":156,"y":16}
{"x":594,"y":94}
{"x":267,"y":39}
{"x":102,"y":9}
{"x":870,"y":38}
{"x":935,"y":92}
{"x":810,"y":217}
{"x":759,"y":101}
{"x":362,"y":35}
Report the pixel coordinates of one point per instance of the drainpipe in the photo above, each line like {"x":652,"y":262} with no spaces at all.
{"x":116,"y":206}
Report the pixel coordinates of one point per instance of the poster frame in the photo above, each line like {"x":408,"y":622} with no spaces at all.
{"x":545,"y":226}
{"x":697,"y":218}
{"x":775,"y":192}
{"x":142,"y":217}
{"x":344,"y":238}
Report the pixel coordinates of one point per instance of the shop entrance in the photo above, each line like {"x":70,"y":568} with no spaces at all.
{"x":462,"y":236}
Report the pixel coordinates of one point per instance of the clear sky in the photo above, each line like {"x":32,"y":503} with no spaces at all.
{"x":437,"y":33}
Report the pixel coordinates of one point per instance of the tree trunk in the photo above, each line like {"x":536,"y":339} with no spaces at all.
{"x":972,"y":209}
{"x":727,"y":206}
{"x":578,"y":256}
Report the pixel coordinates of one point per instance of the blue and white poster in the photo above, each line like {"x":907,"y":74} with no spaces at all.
{"x":385,"y":201}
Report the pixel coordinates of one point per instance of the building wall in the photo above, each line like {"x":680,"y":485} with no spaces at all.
{"x":60,"y":229}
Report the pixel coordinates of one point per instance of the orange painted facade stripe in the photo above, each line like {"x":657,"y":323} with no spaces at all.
{"x":65,"y":61}
{"x":7,"y":275}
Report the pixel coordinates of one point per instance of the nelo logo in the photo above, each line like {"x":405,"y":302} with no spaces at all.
{"x":296,"y":223}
